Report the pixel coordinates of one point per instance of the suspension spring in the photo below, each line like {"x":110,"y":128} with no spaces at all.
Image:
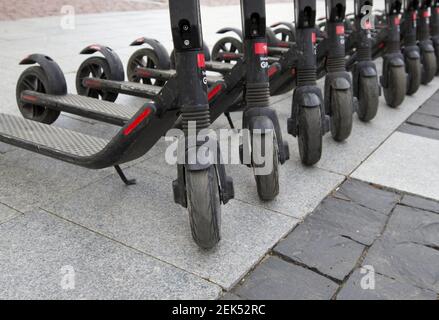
{"x":198,"y":115}
{"x":336,"y":64}
{"x":306,"y":76}
{"x":364,"y":54}
{"x":258,"y":94}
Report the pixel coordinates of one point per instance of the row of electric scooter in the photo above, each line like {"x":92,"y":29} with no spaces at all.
{"x":193,"y":85}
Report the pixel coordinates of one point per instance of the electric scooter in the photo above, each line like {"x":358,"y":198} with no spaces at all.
{"x":243,"y":87}
{"x":201,"y":187}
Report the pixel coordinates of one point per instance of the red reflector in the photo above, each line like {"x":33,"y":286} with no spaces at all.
{"x":426,"y":14}
{"x":201,"y":61}
{"x":272,"y":71}
{"x":397,"y":21}
{"x":314,"y":37}
{"x":30,"y":98}
{"x":261,"y":48}
{"x":381,"y":45}
{"x":133,"y":125}
{"x":212,"y":93}
{"x":339,"y":30}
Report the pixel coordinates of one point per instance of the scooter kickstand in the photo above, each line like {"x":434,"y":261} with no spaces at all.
{"x":229,"y":118}
{"x":128,"y":182}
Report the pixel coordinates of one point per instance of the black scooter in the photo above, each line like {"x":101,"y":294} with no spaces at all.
{"x":42,"y":95}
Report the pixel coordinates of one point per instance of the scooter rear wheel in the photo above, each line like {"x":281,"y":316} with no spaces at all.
{"x":368,"y":98}
{"x":227,"y":45}
{"x":310,"y":135}
{"x":268,"y":185}
{"x":414,"y":71}
{"x":35,"y":79}
{"x":284,"y":35}
{"x":94,"y":67}
{"x":144,"y":58}
{"x":341,"y":114}
{"x":396,"y":88}
{"x":204,"y":207}
{"x":429,"y":67}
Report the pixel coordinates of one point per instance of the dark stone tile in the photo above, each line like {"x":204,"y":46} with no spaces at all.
{"x":414,"y":225}
{"x":405,"y":262}
{"x":275,"y":279}
{"x":368,"y":196}
{"x":431,"y":107}
{"x":320,"y":249}
{"x":385,"y":289}
{"x":421,"y":203}
{"x":349,"y":219}
{"x":419,"y":131}
{"x":424,"y":120}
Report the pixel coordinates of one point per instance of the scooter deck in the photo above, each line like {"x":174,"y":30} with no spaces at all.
{"x":124,"y":87}
{"x":165,"y":75}
{"x":91,"y":108}
{"x":33,"y":136}
{"x":219,"y":67}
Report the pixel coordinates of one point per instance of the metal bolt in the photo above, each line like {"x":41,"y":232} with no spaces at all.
{"x":187,"y":42}
{"x":185,"y":27}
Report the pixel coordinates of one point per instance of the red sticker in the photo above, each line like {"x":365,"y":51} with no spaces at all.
{"x":201,"y":61}
{"x":314,"y":37}
{"x":261,"y":48}
{"x":214,"y":92}
{"x":426,"y":14}
{"x":339,"y":30}
{"x":437,"y":10}
{"x":272,"y":70}
{"x":414,"y":16}
{"x":133,"y":125}
{"x":397,"y":21}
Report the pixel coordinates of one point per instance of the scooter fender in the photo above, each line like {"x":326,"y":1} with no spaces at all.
{"x":54,"y":73}
{"x":159,"y":49}
{"x":289,"y":25}
{"x":426,"y":46}
{"x":412,"y":54}
{"x":234,"y":30}
{"x":304,"y":97}
{"x":116,"y":66}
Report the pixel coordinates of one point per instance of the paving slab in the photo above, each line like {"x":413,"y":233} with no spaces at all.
{"x":349,"y":220}
{"x":145,"y":217}
{"x":321,"y":250}
{"x":230,"y":297}
{"x":275,"y":279}
{"x":414,"y":225}
{"x":413,"y":166}
{"x":368,"y":196}
{"x":420,"y":203}
{"x":430,"y":107}
{"x":38,"y":252}
{"x":385,"y":289}
{"x":29,"y":179}
{"x":7,"y":213}
{"x":419,"y":131}
{"x":406,"y":262}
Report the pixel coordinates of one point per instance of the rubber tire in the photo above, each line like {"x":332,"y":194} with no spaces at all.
{"x":217,"y":48}
{"x":429,"y":67}
{"x":397,"y":87}
{"x":148,"y":53}
{"x":268,"y":185}
{"x":103,"y":63}
{"x":204,"y":206}
{"x":47,"y":116}
{"x":310,"y":135}
{"x":413,"y":68}
{"x":341,"y":114}
{"x":368,"y":98}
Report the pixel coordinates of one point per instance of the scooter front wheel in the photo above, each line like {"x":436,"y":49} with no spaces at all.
{"x":341,"y":114}
{"x":267,"y":184}
{"x":429,"y":67}
{"x":414,"y":70}
{"x":204,"y":206}
{"x":396,"y":88}
{"x":368,"y":98}
{"x":310,"y":135}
